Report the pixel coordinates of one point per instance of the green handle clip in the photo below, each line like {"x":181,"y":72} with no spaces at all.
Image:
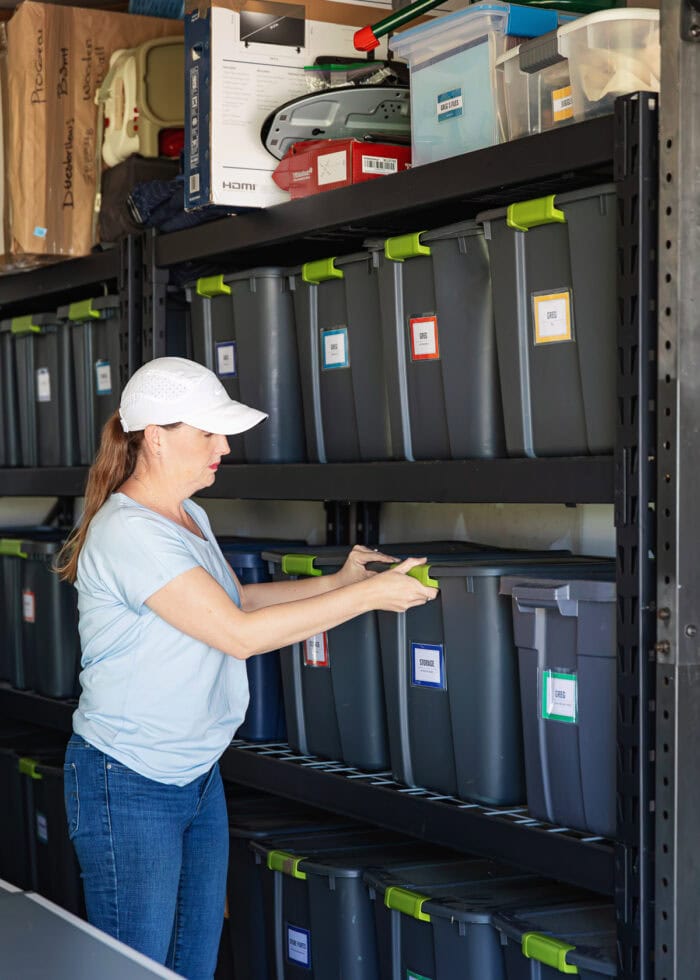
{"x":405,"y":247}
{"x":24,"y":324}
{"x":530,"y":214}
{"x":320,"y":271}
{"x":211,"y":286}
{"x":551,"y":952}
{"x":12,"y":547}
{"x":83,"y":310}
{"x":300,"y":565}
{"x":287,"y":863}
{"x":410,"y":903}
{"x":28,"y":766}
{"x":422,"y":574}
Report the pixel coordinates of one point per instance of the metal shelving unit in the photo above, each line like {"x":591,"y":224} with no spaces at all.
{"x":622,"y":148}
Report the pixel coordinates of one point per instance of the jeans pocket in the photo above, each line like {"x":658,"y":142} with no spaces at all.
{"x":71,"y":797}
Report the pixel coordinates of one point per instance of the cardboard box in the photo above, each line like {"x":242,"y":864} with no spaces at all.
{"x":244,"y":59}
{"x":322,"y":165}
{"x":57,"y":58}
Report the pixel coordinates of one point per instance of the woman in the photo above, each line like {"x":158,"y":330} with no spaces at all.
{"x":165,"y":628}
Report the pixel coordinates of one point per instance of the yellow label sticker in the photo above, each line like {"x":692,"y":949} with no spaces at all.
{"x":562,"y":104}
{"x":552,"y":316}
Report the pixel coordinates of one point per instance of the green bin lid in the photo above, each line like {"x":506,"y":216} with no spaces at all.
{"x":92,"y":308}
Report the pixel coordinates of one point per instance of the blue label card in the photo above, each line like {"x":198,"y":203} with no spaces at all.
{"x":428,"y":665}
{"x":103,"y":378}
{"x":335,"y":348}
{"x":226,"y":361}
{"x":450,"y":104}
{"x":299,"y":946}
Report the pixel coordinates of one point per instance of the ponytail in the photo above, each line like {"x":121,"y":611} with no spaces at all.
{"x":114,"y":463}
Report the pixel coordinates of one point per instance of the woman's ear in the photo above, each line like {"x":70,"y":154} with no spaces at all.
{"x":152,"y":438}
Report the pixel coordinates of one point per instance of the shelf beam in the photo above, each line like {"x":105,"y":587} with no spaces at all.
{"x":36,"y":710}
{"x":28,"y":292}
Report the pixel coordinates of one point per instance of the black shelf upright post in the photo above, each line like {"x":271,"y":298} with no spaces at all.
{"x":636,"y":172}
{"x":131,"y":301}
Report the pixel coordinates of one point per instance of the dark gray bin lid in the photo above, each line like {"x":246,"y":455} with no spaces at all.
{"x":334,"y":557}
{"x":588,"y":926}
{"x":553,"y":592}
{"x":560,"y":201}
{"x":50,"y":319}
{"x":519,"y":565}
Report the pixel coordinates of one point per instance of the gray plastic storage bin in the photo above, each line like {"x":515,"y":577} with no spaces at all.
{"x":339,"y":333}
{"x":95,"y":341}
{"x":451,"y":679}
{"x":243,"y":330}
{"x":440,"y":345}
{"x":9,"y":413}
{"x":565,"y":634}
{"x":50,"y":642}
{"x":46,"y":403}
{"x":578,"y":937}
{"x":553,"y":266}
{"x":317,"y":909}
{"x":11,"y":661}
{"x":434,"y":919}
{"x":333,"y":689}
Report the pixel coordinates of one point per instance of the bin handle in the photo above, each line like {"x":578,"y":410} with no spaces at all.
{"x":367,"y":38}
{"x":321,"y":270}
{"x":422,"y":574}
{"x":405,"y":247}
{"x":525,"y":215}
{"x":12,"y":547}
{"x":24,"y":324}
{"x":300,"y":565}
{"x":403,"y":900}
{"x":83,"y":310}
{"x":28,"y":766}
{"x":211,"y":286}
{"x":287,"y":863}
{"x":545,"y":949}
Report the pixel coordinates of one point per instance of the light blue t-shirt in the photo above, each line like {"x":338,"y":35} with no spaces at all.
{"x":157,"y":700}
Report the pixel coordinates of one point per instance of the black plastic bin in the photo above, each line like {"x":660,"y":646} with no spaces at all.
{"x":451,"y":678}
{"x":264,"y":720}
{"x":333,"y":687}
{"x":316,"y":905}
{"x":440,"y":345}
{"x":339,"y":333}
{"x":9,"y":410}
{"x":243,"y":330}
{"x":45,"y":396}
{"x":434,"y":919}
{"x":578,"y":937}
{"x":554,"y":267}
{"x":11,"y":661}
{"x":565,"y":634}
{"x":95,"y":329}
{"x":262,"y":820}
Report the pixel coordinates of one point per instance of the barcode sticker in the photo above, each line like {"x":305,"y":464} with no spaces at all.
{"x":103,"y":378}
{"x":552,"y":316}
{"x":194,"y":183}
{"x":379,"y":165}
{"x":28,"y":606}
{"x":43,"y":385}
{"x":425,"y":345}
{"x":335,"y":349}
{"x":226,"y":366}
{"x":332,"y":167}
{"x":559,"y":697}
{"x":316,"y":651}
{"x":562,"y":104}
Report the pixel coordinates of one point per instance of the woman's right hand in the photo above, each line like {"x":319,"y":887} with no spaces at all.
{"x":396,"y":591}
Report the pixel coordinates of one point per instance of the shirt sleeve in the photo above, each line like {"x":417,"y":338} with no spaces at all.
{"x":133,"y":555}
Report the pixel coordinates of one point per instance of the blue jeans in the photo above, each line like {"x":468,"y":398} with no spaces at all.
{"x":153,"y":857}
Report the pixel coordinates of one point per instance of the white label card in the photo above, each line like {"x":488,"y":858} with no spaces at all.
{"x":332,"y":167}
{"x":43,"y":385}
{"x":42,"y":828}
{"x":103,"y":378}
{"x":559,"y":697}
{"x":299,"y":946}
{"x":28,"y":606}
{"x":226,"y":359}
{"x":336,"y":350}
{"x":428,"y":665}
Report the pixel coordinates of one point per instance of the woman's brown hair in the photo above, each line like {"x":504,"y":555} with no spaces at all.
{"x":114,"y":463}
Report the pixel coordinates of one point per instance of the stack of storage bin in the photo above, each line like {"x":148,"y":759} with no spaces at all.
{"x":450,"y":672}
{"x":9,"y":411}
{"x":578,"y":71}
{"x":553,"y":269}
{"x":40,"y":614}
{"x":243,"y":330}
{"x":452,"y":62}
{"x":95,"y":328}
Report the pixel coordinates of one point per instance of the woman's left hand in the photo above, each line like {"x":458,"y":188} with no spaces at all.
{"x":355,"y":568}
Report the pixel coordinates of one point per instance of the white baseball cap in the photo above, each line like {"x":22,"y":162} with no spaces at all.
{"x":173,"y":389}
